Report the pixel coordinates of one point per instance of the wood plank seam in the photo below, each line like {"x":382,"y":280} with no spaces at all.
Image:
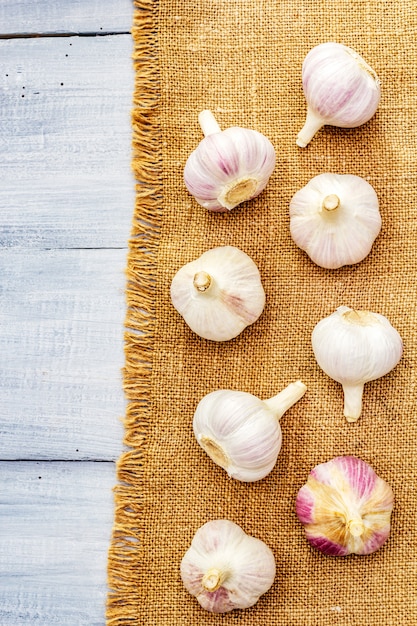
{"x":104,"y":33}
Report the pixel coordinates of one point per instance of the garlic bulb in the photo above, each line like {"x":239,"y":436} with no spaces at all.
{"x":345,"y":507}
{"x":241,"y":433}
{"x":335,"y":219}
{"x":225,"y":568}
{"x":219,"y":294}
{"x":354,"y":347}
{"x":228,"y":167}
{"x":341,"y":89}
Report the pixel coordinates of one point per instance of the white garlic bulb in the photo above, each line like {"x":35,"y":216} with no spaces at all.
{"x":335,"y":218}
{"x":341,"y":89}
{"x":228,"y":167}
{"x":225,"y":568}
{"x":219,"y":294}
{"x":355,"y":347}
{"x":240,"y":432}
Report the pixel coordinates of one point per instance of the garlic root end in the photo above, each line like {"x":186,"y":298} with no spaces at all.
{"x":214,"y":451}
{"x":237,"y":191}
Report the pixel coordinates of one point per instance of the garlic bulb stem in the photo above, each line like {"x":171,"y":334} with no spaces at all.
{"x":286,"y":398}
{"x":331,"y":202}
{"x":355,"y":527}
{"x":213,"y":579}
{"x":360,"y":318}
{"x":312,"y":125}
{"x":202,"y":281}
{"x":208,"y":123}
{"x":352,"y":402}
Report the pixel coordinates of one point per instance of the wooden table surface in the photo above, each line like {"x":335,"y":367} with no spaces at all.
{"x":66,"y":203}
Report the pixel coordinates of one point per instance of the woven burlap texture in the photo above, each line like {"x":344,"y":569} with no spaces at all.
{"x":242,"y":60}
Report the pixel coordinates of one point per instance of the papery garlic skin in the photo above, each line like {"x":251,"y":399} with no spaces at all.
{"x":240,"y":432}
{"x":355,"y":347}
{"x":335,"y":219}
{"x":345,"y":507}
{"x":340,"y":88}
{"x":225,"y":568}
{"x":228,"y":167}
{"x":219,"y":294}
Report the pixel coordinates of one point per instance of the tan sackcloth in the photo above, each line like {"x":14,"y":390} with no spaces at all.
{"x":242,"y":60}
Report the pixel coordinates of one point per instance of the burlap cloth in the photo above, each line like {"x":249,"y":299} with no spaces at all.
{"x":242,"y":59}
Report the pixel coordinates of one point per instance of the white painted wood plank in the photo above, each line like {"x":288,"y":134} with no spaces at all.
{"x":65,"y":16}
{"x":61,"y":347}
{"x":65,"y":142}
{"x":55,"y":521}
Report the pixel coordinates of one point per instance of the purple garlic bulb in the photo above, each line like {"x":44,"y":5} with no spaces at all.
{"x":345,"y":507}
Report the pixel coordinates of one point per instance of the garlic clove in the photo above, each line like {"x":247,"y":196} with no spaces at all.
{"x":225,"y":568}
{"x":340,"y":88}
{"x":354,"y":347}
{"x":345,"y":507}
{"x":335,"y":219}
{"x":228,"y":167}
{"x":240,"y":432}
{"x":219,"y":294}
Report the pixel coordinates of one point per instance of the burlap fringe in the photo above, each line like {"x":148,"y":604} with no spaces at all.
{"x":125,"y":548}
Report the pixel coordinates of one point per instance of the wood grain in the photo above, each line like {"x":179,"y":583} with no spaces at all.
{"x":61,"y":333}
{"x":56,"y":16}
{"x":55,"y":524}
{"x":66,"y":202}
{"x":65,"y":142}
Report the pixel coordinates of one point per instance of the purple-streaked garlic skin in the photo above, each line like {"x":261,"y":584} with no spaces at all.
{"x":229,"y":167}
{"x":240,"y":432}
{"x":345,"y":507}
{"x":239,"y":568}
{"x":233,"y":412}
{"x":340,"y":88}
{"x":219,"y":294}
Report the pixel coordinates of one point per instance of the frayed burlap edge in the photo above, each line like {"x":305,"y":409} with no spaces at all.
{"x":124,"y":555}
